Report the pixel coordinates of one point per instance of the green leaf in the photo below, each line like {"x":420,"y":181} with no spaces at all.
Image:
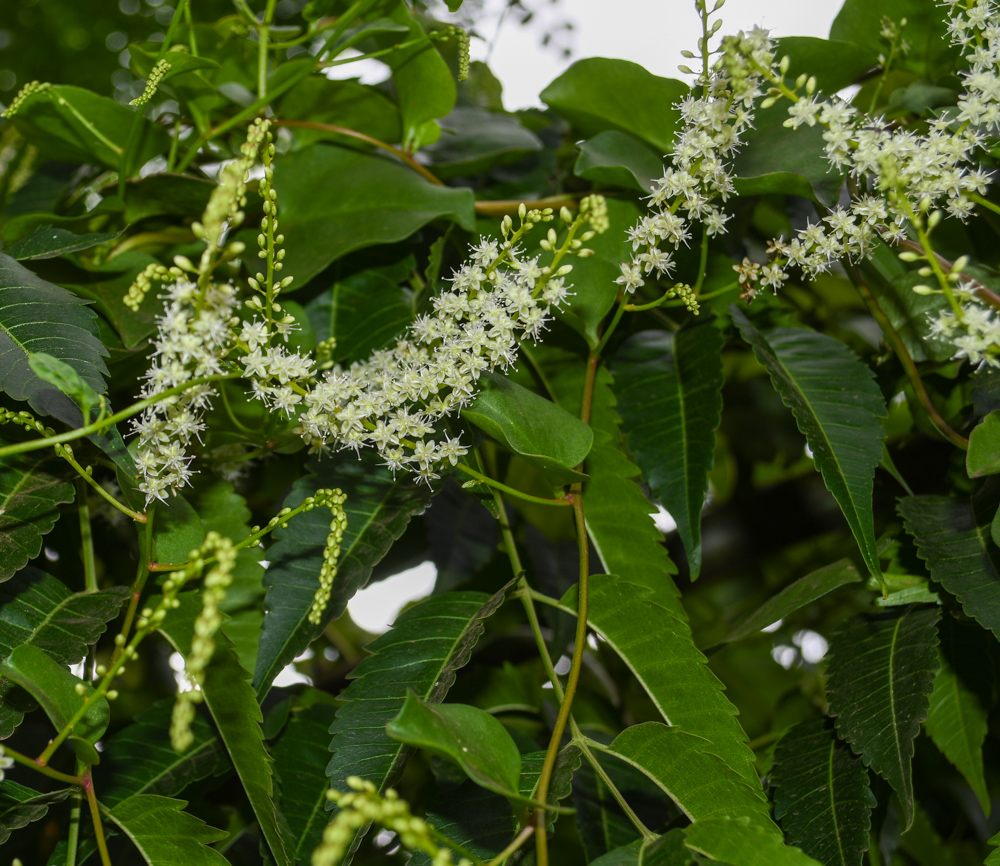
{"x":909,"y":313}
{"x":480,"y":821}
{"x":65,"y":378}
{"x":469,"y":736}
{"x":837,"y":407}
{"x":880,"y":675}
{"x":616,"y":159}
{"x":29,"y":500}
{"x":341,"y":103}
{"x":796,"y":595}
{"x":683,"y":766}
{"x":165,"y":834}
{"x":143,"y":58}
{"x":474,"y":140}
{"x":658,"y":648}
{"x":140,"y":759}
{"x":960,"y":702}
{"x":378,"y":510}
{"x":37,"y":316}
{"x":231,"y":701}
{"x":165,"y":194}
{"x":666,"y":850}
{"x":177,"y":531}
{"x":669,"y":389}
{"x":378,"y":201}
{"x":54,"y":687}
{"x":953,"y":537}
{"x":48,"y":242}
{"x":834,"y":64}
{"x":70,"y":124}
{"x":732,"y":840}
{"x":422,"y":651}
{"x":597,"y":94}
{"x":822,"y":800}
{"x":21,"y":806}
{"x":983,"y":456}
{"x":545,"y":435}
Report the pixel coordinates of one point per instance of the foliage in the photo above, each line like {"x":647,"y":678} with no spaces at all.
{"x":270,"y":336}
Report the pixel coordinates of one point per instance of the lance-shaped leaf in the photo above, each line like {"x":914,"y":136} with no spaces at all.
{"x":140,"y":759}
{"x":421,"y":653}
{"x":669,"y":389}
{"x":953,"y":537}
{"x":37,"y":316}
{"x":837,"y":407}
{"x":47,"y":243}
{"x":822,"y":800}
{"x":29,"y":498}
{"x":20,"y":806}
{"x":683,"y":766}
{"x":543,"y":433}
{"x":983,"y":456}
{"x":960,"y":702}
{"x":796,"y":595}
{"x":233,"y":705}
{"x":467,"y":735}
{"x":54,"y":687}
{"x":165,"y":834}
{"x":880,"y":675}
{"x":378,"y":510}
{"x":731,"y":840}
{"x":39,"y":610}
{"x":659,"y":650}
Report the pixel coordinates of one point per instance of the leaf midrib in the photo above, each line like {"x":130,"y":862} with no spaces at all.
{"x":833,"y":801}
{"x":892,"y":699}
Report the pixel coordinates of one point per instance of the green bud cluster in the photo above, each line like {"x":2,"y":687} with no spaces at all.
{"x":363,"y":805}
{"x":334,"y":500}
{"x":452,"y":31}
{"x":324,"y":353}
{"x":684,"y":293}
{"x":26,"y":420}
{"x":144,"y":282}
{"x":594,"y":209}
{"x":30,"y":89}
{"x":155,"y":77}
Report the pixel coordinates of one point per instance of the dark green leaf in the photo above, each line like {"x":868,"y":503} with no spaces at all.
{"x":462,"y":536}
{"x":953,"y":537}
{"x":177,"y":531}
{"x":666,"y":850}
{"x":822,"y":801}
{"x":165,"y":834}
{"x":835,"y":65}
{"x":837,"y":406}
{"x":545,"y":435}
{"x":29,"y":500}
{"x":65,"y":379}
{"x":880,"y":675}
{"x":54,"y":687}
{"x":731,"y":840}
{"x":469,"y":736}
{"x":474,"y":140}
{"x":143,"y":58}
{"x":378,"y":201}
{"x":479,"y":820}
{"x":983,"y":456}
{"x":341,"y":103}
{"x":669,"y":389}
{"x":231,"y":701}
{"x":597,"y":94}
{"x":37,"y":316}
{"x":960,"y":702}
{"x":617,"y":159}
{"x":48,"y":242}
{"x":378,"y":510}
{"x":427,"y":644}
{"x":796,"y":595}
{"x":20,"y":806}
{"x":909,"y":313}
{"x":165,"y":194}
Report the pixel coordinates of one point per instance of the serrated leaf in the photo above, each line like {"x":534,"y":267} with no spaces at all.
{"x":732,"y":840}
{"x":983,"y":456}
{"x":879,"y":676}
{"x":30,"y":497}
{"x":837,"y":407}
{"x":54,"y":687}
{"x":953,"y":537}
{"x":462,"y":536}
{"x":467,"y":735}
{"x":427,"y":644}
{"x":665,"y":850}
{"x":669,"y":389}
{"x":960,"y":702}
{"x":21,"y":806}
{"x":139,"y":759}
{"x":378,"y":510}
{"x":796,"y":595}
{"x":48,"y":242}
{"x":165,"y":834}
{"x":480,"y":821}
{"x":536,"y":429}
{"x":822,"y":800}
{"x":233,"y":705}
{"x":65,"y":379}
{"x":37,"y":316}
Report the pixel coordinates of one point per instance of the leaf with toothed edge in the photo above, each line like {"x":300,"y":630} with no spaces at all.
{"x":164,"y":833}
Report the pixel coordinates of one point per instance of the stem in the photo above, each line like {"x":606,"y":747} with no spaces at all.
{"x":510,"y":491}
{"x":86,"y":539}
{"x":345,"y":21}
{"x":611,"y":327}
{"x":89,"y":479}
{"x":983,"y":202}
{"x":519,"y":840}
{"x":73,"y":836}
{"x":263,"y":34}
{"x":41,"y":768}
{"x":95,"y":814}
{"x":985,"y":294}
{"x":505,"y":207}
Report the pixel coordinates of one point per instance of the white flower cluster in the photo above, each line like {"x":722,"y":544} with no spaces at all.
{"x":699,"y":175}
{"x":975,"y":333}
{"x":394,"y":400}
{"x":195,"y":333}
